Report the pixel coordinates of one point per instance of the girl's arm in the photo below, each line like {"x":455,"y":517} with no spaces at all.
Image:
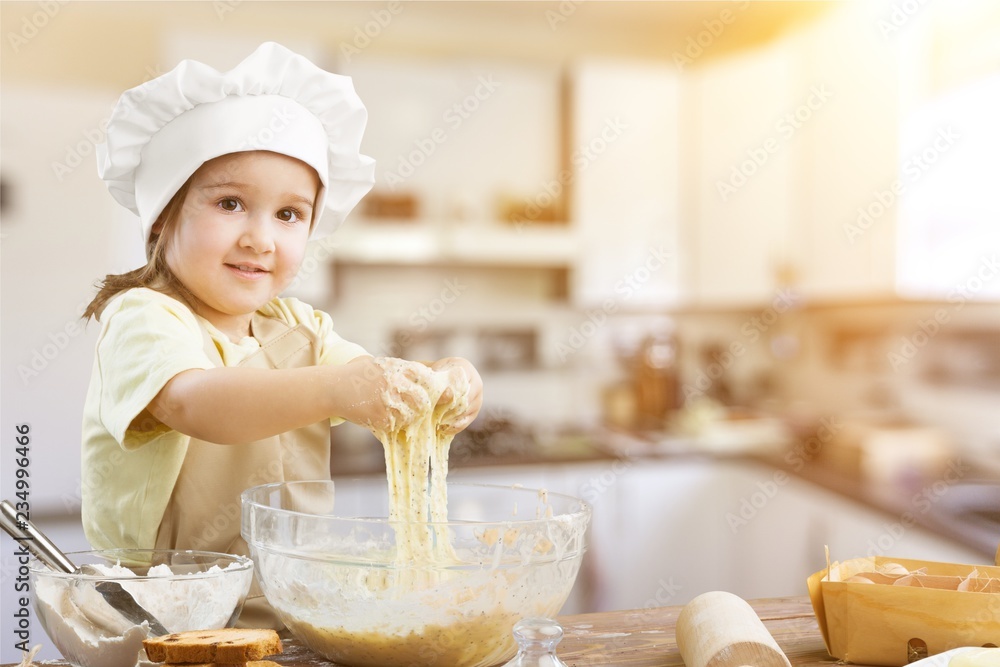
{"x":234,"y":405}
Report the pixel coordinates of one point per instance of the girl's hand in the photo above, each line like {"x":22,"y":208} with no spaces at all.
{"x":456,"y":423}
{"x":383,"y":394}
{"x":374,"y":392}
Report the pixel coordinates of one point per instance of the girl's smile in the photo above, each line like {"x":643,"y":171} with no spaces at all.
{"x":249,"y":271}
{"x":241,"y":234}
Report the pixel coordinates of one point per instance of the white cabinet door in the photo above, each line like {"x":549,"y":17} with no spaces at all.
{"x":855,"y":531}
{"x":745,"y":162}
{"x":625,"y":184}
{"x":459,"y":135}
{"x":664,"y":545}
{"x":775,"y":530}
{"x":848,"y":145}
{"x":778,"y":526}
{"x":949,"y":223}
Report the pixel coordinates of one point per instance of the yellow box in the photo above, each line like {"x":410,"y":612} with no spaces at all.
{"x":886,"y":623}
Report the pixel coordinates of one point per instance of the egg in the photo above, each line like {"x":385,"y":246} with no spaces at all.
{"x":893,"y":569}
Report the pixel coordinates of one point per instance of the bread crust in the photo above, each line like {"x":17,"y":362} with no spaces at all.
{"x":252,"y":663}
{"x":227,"y":646}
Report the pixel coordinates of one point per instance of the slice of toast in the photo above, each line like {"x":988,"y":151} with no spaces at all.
{"x":225,"y":646}
{"x":252,"y":663}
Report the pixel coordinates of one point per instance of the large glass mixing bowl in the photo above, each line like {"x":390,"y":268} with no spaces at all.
{"x":362,"y":590}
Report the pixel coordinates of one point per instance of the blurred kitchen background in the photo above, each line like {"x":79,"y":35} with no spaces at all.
{"x":729,"y":269}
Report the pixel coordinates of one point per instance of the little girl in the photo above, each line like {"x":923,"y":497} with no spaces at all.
{"x":205,"y":381}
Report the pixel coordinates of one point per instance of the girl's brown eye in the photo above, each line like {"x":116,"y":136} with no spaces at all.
{"x":229,"y":204}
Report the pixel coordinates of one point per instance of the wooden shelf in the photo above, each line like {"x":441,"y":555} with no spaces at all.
{"x":482,"y":243}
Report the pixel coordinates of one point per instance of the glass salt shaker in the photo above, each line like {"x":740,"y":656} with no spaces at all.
{"x":536,"y":640}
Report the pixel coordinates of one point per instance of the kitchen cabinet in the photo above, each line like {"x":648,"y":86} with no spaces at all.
{"x":876,"y":184}
{"x":896,"y":168}
{"x":615,"y":172}
{"x":780,"y":524}
{"x":846,"y":94}
{"x":948,"y":231}
{"x":797,"y":158}
{"x":414,"y":243}
{"x":625,"y":169}
{"x":460,"y":136}
{"x":745,"y":160}
{"x":462,"y":141}
{"x":653,"y":535}
{"x":619,"y":172}
{"x":667,"y":530}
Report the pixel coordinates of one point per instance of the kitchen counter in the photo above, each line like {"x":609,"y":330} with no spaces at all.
{"x":644,"y":638}
{"x":612,"y":445}
{"x":925,"y":502}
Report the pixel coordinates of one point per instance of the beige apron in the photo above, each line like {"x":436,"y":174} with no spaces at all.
{"x":204,"y":508}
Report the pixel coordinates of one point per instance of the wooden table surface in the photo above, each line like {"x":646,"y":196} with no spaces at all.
{"x":645,"y":637}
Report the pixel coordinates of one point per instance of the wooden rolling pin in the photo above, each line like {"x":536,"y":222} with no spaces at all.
{"x":719,"y":629}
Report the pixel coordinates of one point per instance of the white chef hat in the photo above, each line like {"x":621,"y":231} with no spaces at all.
{"x":159,"y":133}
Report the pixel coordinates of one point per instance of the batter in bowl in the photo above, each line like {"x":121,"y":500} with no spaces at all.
{"x":423,"y":605}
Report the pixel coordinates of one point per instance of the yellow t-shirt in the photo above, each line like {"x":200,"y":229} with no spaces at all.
{"x":146,"y":339}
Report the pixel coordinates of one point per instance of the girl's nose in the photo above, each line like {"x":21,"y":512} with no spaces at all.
{"x":257,"y":236}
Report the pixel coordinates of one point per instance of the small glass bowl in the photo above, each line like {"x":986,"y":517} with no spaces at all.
{"x":183,"y":590}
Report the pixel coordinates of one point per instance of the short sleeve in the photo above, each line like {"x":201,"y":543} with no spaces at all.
{"x":146,"y":339}
{"x":335,"y":350}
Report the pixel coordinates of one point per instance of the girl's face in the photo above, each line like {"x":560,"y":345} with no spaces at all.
{"x":241,"y":234}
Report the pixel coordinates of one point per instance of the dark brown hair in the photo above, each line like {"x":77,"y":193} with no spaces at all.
{"x":155,"y":274}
